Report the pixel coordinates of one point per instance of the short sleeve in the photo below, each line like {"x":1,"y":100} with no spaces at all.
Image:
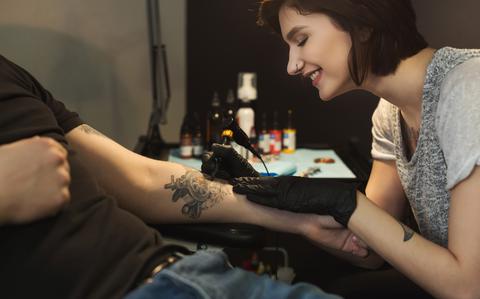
{"x":66,"y":119}
{"x":458,"y":120}
{"x":383,"y":147}
{"x":27,"y":109}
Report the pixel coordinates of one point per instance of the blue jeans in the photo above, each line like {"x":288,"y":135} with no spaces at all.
{"x":208,"y":275}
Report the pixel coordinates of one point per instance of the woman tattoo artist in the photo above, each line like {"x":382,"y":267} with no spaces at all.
{"x":425,"y":147}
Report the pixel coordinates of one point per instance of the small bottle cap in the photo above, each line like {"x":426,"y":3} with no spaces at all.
{"x":216,"y":100}
{"x":230,"y":97}
{"x":247,"y":86}
{"x":227,"y":133}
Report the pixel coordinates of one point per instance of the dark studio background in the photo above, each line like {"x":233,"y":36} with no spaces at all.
{"x":223,"y":39}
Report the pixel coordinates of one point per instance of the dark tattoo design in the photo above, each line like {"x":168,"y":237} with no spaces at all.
{"x":407,"y":232}
{"x":89,"y":130}
{"x":198,"y":193}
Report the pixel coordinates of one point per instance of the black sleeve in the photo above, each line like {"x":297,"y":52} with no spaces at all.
{"x":67,"y":120}
{"x":27,"y":109}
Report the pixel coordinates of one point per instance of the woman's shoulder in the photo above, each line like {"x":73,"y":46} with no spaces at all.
{"x":461,"y":82}
{"x":458,"y":119}
{"x":467,"y":70}
{"x":384,"y":111}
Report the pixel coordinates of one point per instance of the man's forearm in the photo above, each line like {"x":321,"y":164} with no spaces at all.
{"x":190,"y":196}
{"x":159,"y":191}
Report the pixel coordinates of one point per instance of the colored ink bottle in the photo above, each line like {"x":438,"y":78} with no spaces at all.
{"x":230,"y":106}
{"x":289,"y":135}
{"x":186,"y":148}
{"x":253,"y":139}
{"x":214,"y":122}
{"x":275,"y":136}
{"x":264,"y":136}
{"x":197,"y":137}
{"x":247,"y":92}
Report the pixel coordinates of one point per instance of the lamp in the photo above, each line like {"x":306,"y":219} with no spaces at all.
{"x":152,"y":144}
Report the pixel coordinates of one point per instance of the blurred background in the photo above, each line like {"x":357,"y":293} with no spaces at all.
{"x":94,"y":56}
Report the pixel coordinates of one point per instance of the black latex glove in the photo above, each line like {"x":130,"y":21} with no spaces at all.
{"x":226,"y":163}
{"x":301,"y":195}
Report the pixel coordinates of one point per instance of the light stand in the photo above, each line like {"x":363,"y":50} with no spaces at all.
{"x":152,"y":144}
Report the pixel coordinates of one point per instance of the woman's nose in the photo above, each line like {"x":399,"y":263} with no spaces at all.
{"x":294,"y":66}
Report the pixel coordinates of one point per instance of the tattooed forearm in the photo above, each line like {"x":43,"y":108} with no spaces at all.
{"x":407,"y":232}
{"x":89,"y":130}
{"x":197,"y":192}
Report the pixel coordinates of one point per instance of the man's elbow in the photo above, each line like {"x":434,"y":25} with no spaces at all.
{"x":467,"y":291}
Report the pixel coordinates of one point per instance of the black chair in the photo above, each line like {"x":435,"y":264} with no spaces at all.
{"x":233,"y":235}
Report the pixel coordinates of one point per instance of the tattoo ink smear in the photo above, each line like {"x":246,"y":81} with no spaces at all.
{"x":198,"y":193}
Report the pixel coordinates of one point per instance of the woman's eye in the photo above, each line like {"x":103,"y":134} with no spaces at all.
{"x":302,"y":42}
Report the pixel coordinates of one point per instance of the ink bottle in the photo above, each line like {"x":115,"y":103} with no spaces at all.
{"x":186,"y":140}
{"x":289,"y":135}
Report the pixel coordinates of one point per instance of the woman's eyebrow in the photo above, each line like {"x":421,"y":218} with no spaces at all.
{"x":293,"y":31}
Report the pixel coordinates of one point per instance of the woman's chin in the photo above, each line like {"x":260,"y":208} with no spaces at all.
{"x":325,"y":96}
{"x":328,"y":95}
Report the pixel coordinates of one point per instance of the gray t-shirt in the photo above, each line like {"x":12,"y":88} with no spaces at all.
{"x":448,"y":146}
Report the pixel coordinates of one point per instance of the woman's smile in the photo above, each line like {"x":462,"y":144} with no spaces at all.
{"x":316,"y":76}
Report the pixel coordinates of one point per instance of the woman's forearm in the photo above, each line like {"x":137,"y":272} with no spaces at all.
{"x":433,"y":267}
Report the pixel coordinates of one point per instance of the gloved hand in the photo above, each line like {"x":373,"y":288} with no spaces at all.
{"x":226,"y":163}
{"x":301,"y":195}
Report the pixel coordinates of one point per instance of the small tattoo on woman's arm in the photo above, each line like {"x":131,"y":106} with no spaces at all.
{"x":407,"y":232}
{"x":197,"y":192}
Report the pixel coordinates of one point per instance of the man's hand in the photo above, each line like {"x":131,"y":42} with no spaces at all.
{"x":34,"y":180}
{"x":225,"y":163}
{"x":324,"y":231}
{"x":301,"y":195}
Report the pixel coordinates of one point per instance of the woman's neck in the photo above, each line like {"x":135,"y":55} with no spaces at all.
{"x":404,"y":88}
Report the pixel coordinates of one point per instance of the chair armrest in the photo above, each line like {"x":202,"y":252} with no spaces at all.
{"x":232,"y":235}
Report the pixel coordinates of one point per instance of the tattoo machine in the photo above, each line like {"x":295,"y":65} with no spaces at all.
{"x":231,"y":130}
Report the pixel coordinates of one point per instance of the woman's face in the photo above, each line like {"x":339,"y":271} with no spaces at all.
{"x":319,"y":50}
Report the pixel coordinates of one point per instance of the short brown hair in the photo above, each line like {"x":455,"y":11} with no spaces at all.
{"x":391,"y":24}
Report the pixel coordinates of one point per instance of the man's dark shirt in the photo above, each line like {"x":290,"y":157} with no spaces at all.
{"x":92,"y":248}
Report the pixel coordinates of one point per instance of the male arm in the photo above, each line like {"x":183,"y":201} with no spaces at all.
{"x":161,"y":192}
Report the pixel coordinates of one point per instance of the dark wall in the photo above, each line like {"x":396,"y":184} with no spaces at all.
{"x":224,"y":40}
{"x":453,"y":23}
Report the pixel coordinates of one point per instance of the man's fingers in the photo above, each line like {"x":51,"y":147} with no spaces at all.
{"x":359,"y":242}
{"x":66,"y":165}
{"x":51,"y":142}
{"x":65,"y":177}
{"x":360,"y":252}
